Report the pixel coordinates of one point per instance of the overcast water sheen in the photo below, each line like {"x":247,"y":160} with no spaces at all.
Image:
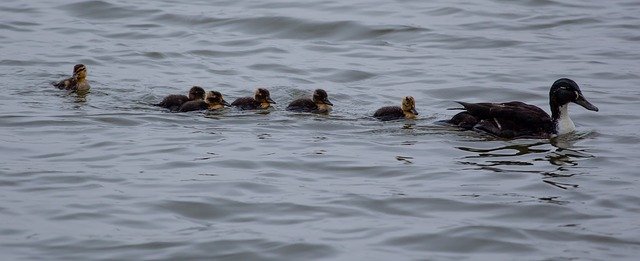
{"x":110,"y":177}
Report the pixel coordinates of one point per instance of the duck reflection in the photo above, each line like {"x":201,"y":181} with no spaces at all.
{"x":520,"y":149}
{"x":562,"y":155}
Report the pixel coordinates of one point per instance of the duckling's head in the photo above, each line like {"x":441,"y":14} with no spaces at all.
{"x":196,"y":93}
{"x":320,"y":97}
{"x":409,"y":107}
{"x":263,"y":97}
{"x":215,"y":100}
{"x":564,"y":91}
{"x":79,"y":71}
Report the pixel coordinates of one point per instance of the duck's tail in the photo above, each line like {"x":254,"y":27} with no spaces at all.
{"x":458,"y":108}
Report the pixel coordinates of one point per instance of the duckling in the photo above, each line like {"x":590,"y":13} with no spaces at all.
{"x":76,"y":83}
{"x":213,"y":101}
{"x":319,"y":104}
{"x":261,"y":100}
{"x":520,"y":120}
{"x":174,"y":101}
{"x":407,"y":111}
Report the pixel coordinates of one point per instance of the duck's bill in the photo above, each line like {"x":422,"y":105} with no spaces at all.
{"x":414,"y":111}
{"x":586,"y":104}
{"x":327,"y":102}
{"x":270,"y":100}
{"x":225,"y":103}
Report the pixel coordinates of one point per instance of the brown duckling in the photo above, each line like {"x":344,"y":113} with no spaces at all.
{"x":260,"y":100}
{"x":319,"y":104}
{"x":213,"y":101}
{"x":407,"y":111}
{"x":174,"y":101}
{"x":76,"y":83}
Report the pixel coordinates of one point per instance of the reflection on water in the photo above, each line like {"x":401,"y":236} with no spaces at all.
{"x":505,"y":151}
{"x":527,"y":155}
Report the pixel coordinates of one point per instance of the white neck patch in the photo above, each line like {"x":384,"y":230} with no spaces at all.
{"x":565,"y":124}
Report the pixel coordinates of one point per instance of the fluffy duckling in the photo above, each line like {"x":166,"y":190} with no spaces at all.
{"x":212,"y":101}
{"x":261,"y":100}
{"x":76,"y":83}
{"x":319,"y":104}
{"x":174,"y":101}
{"x":407,"y":111}
{"x":520,"y":120}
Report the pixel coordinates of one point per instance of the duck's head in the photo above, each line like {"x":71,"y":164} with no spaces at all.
{"x":409,"y":107}
{"x":263,"y":97}
{"x":564,"y":91}
{"x":215,"y":100}
{"x":79,"y":71}
{"x":320,"y":97}
{"x":196,"y":93}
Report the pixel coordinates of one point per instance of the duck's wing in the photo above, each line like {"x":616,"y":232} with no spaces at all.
{"x":507,"y":120}
{"x":478,"y":110}
{"x":302,"y":105}
{"x":514,"y":111}
{"x":519,"y":113}
{"x":64,"y":84}
{"x":518,"y":119}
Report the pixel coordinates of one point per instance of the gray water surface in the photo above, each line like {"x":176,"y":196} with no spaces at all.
{"x":110,"y":177}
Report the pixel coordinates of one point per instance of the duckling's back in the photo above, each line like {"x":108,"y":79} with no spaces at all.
{"x":389,"y":113}
{"x":173,"y":101}
{"x":302,"y":105}
{"x":197,"y":105}
{"x":246,"y":103}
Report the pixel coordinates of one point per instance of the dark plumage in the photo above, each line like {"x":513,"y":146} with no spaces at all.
{"x":319,"y":104}
{"x":196,"y":105}
{"x":389,"y":113}
{"x":213,"y":101}
{"x":407,"y":111}
{"x":174,"y":101}
{"x":260,"y":100}
{"x":520,"y":120}
{"x":76,"y":83}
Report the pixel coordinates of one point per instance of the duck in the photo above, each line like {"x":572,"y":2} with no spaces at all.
{"x":318,"y":104}
{"x":520,"y":120}
{"x":76,"y":83}
{"x":261,"y":100}
{"x":174,"y":101}
{"x":407,"y":111}
{"x":212,"y":101}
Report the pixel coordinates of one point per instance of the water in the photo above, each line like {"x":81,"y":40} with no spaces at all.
{"x":111,"y":177}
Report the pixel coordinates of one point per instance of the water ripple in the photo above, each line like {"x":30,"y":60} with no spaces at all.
{"x":280,"y":185}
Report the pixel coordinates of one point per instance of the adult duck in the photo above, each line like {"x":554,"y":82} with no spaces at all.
{"x":520,"y":120}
